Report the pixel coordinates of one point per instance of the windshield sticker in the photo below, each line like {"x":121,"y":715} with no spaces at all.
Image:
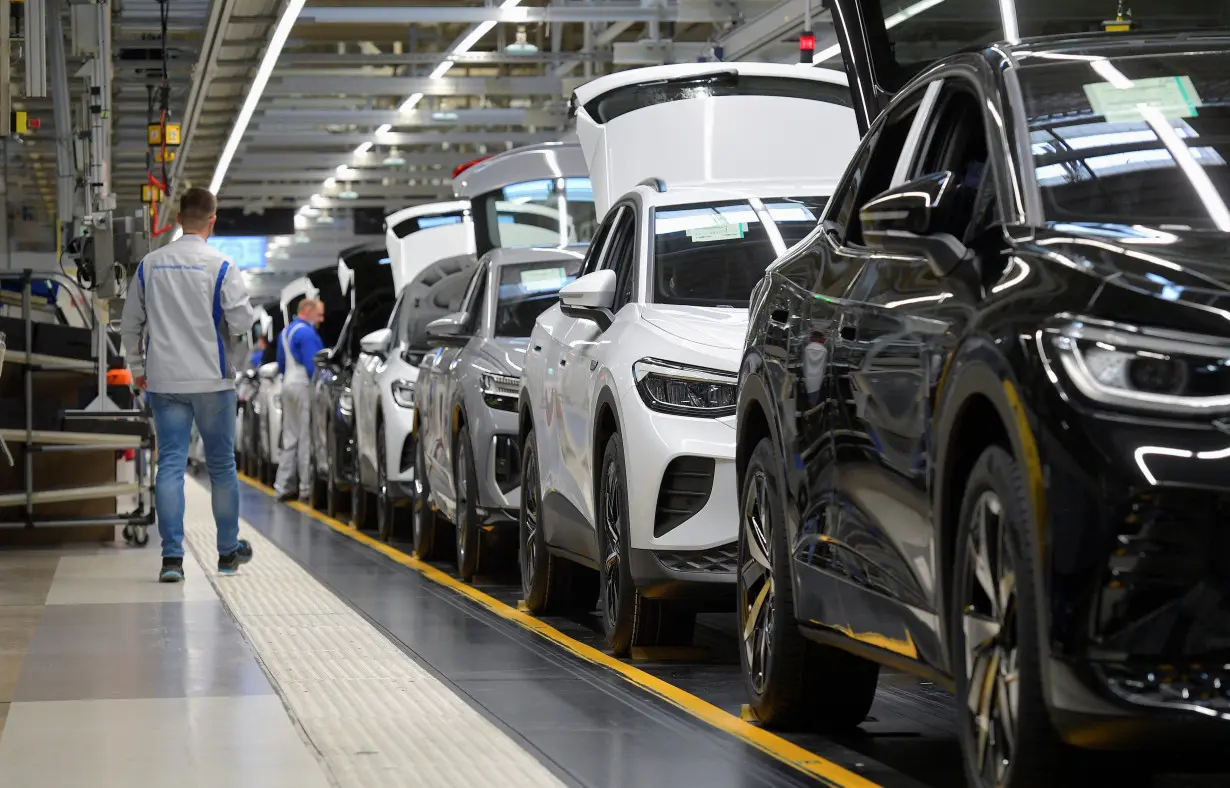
{"x":722,"y":232}
{"x":538,"y":280}
{"x":1173,"y":97}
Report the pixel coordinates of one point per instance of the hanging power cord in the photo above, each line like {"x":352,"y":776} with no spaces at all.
{"x":164,"y":112}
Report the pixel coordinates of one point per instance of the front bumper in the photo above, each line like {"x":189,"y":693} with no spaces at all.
{"x":682,"y":502}
{"x":1138,"y":566}
{"x":497,"y":461}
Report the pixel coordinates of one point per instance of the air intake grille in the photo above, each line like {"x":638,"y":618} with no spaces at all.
{"x":507,"y":463}
{"x":720,"y":559}
{"x":685,"y":491}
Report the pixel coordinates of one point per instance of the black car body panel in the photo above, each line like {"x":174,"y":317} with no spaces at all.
{"x":363,"y":308}
{"x":880,"y":375}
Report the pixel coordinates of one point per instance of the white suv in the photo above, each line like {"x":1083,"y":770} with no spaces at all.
{"x":628,"y":392}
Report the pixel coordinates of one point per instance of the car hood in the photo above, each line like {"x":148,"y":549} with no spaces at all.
{"x":1190,"y":267}
{"x":502,"y":355}
{"x":717,"y":327}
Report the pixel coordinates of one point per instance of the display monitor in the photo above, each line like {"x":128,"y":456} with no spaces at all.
{"x":245,"y":251}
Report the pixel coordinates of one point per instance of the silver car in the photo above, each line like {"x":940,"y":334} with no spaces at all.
{"x":468,"y":456}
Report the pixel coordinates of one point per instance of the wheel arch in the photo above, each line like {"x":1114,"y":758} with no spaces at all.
{"x":753,"y":422}
{"x":982,"y":407}
{"x":606,"y":424}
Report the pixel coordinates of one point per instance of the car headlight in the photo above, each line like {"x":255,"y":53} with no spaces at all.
{"x":684,"y":390}
{"x":403,"y":393}
{"x":1141,"y":369}
{"x":500,"y":391}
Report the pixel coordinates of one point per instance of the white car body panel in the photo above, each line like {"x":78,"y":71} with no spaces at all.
{"x":709,"y":137}
{"x":414,"y":252}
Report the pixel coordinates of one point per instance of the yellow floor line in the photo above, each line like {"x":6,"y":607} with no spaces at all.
{"x":768,"y":743}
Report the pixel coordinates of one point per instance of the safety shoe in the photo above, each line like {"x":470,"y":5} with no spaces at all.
{"x":172,"y":570}
{"x":229,"y":564}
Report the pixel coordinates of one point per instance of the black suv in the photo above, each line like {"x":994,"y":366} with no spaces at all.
{"x":984,"y":408}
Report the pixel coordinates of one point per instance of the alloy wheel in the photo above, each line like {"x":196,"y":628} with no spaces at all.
{"x":611,"y":524}
{"x":756,"y":582}
{"x":529,"y":519}
{"x":991,"y":648}
{"x":463,"y":502}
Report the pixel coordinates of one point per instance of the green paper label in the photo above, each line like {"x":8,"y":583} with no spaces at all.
{"x":723,"y":232}
{"x":1173,"y":97}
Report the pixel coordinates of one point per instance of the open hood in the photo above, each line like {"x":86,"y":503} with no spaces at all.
{"x":887,"y":42}
{"x":362,"y":270}
{"x":434,"y":292}
{"x":713,"y":123}
{"x":418,"y":236}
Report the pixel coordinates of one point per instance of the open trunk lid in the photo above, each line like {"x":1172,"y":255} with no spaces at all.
{"x":418,"y":236}
{"x":713,"y":123}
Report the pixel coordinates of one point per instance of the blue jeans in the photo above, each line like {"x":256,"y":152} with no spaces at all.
{"x":214,"y":413}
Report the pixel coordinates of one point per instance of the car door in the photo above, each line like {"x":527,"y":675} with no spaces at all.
{"x":367,"y":381}
{"x":840,"y":573}
{"x":585,"y":345}
{"x":446,"y":361}
{"x":550,"y":343}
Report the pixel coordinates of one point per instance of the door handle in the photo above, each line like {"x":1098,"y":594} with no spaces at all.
{"x":537,"y":348}
{"x":563,"y":362}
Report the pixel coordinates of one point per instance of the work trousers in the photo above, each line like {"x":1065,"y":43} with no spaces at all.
{"x":295,"y":465}
{"x":214,"y":414}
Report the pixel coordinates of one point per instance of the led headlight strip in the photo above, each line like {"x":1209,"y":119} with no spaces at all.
{"x":685,"y":390}
{"x":500,"y":391}
{"x":1140,"y":369}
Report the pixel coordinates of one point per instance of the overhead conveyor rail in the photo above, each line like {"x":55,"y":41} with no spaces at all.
{"x":102,"y":431}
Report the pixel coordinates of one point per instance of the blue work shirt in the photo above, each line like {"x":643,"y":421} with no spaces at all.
{"x":304,"y":345}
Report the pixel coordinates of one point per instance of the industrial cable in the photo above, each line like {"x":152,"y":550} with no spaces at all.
{"x":164,"y":111}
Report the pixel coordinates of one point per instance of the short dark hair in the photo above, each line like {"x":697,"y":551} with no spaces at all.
{"x":196,"y":206}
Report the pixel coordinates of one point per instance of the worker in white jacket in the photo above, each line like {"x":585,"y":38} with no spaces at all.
{"x":184,"y":307}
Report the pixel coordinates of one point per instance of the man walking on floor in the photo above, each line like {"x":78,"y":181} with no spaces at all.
{"x":297,"y":348}
{"x":185,"y":305}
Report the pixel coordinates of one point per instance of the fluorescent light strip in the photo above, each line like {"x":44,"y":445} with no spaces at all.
{"x":385,"y":129}
{"x":276,"y":42}
{"x":890,"y":23}
{"x":364,"y":148}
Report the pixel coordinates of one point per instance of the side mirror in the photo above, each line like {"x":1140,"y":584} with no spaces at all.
{"x":268,"y":371}
{"x":447,"y":330}
{"x":590,"y":298}
{"x":913,"y":219}
{"x":377,"y":342}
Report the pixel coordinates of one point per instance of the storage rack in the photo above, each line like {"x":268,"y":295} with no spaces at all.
{"x":137,"y":433}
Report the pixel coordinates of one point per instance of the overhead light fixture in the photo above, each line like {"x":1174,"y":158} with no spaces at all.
{"x":324,"y":218}
{"x":440,"y":70}
{"x":520,"y":45}
{"x":385,"y":129}
{"x":409,"y":104}
{"x":394,"y":159}
{"x":330,"y":182}
{"x":346,"y":172}
{"x":348,"y":195}
{"x":444,"y":115}
{"x":362,"y":149}
{"x":276,"y":42}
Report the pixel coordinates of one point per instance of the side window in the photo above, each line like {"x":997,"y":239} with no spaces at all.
{"x":622,"y":258}
{"x":956,"y":142}
{"x":593,"y":260}
{"x":872,"y":169}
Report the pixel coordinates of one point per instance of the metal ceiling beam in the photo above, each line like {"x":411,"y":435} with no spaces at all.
{"x":304,"y":191}
{"x":435,"y":15}
{"x":362,"y":175}
{"x":313,"y":60}
{"x":498,"y":116}
{"x":782,"y":21}
{"x":266,"y":160}
{"x":320,"y":139}
{"x":404,"y":86}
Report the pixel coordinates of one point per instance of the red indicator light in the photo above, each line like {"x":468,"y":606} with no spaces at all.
{"x":807,"y":42}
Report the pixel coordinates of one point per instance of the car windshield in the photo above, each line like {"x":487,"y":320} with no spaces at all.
{"x":906,"y":36}
{"x":1139,"y":140}
{"x":713,"y":254}
{"x":545,"y":212}
{"x":526,"y":291}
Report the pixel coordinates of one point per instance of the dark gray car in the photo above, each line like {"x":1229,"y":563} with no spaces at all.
{"x":466,"y":399}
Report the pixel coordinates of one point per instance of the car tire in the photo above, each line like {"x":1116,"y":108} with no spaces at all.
{"x":426,"y":521}
{"x":386,"y":522}
{"x":791,"y":682}
{"x":548,"y":583}
{"x":994,"y":550}
{"x":467,"y":532}
{"x":628,"y":619}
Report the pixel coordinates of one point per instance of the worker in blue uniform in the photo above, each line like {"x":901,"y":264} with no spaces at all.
{"x":297,"y":346}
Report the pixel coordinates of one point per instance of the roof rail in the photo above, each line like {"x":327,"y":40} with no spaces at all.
{"x":657,"y":184}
